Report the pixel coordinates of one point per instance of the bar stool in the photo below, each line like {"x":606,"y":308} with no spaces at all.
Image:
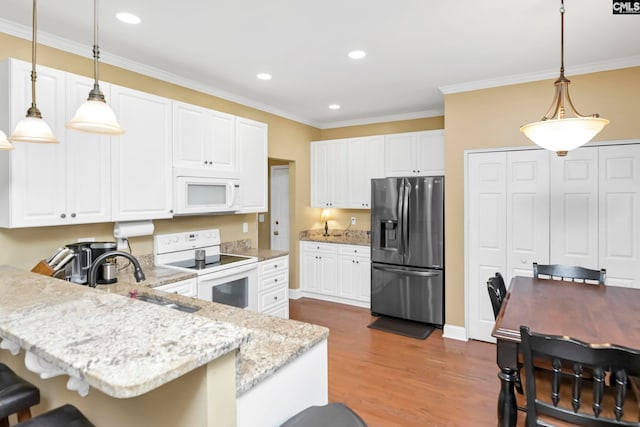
{"x":332,"y":414}
{"x":17,"y":396}
{"x":64,"y":416}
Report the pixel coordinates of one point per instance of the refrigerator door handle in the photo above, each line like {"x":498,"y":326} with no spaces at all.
{"x":405,"y":216}
{"x":408,"y":272}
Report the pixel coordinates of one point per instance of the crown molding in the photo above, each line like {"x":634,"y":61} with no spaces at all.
{"x":383,"y":119}
{"x":594,"y":67}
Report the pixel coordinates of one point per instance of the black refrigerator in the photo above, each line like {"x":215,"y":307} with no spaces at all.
{"x":407,"y":248}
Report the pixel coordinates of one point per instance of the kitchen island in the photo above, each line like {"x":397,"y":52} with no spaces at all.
{"x":234,"y":353}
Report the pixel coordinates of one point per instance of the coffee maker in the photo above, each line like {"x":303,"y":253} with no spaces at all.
{"x":84,"y":254}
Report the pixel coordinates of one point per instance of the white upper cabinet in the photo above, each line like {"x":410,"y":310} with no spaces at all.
{"x":205,"y":140}
{"x":329,"y":174}
{"x":365,"y":160}
{"x":51,"y":184}
{"x":141,"y":157}
{"x":414,"y":153}
{"x":253,"y":149}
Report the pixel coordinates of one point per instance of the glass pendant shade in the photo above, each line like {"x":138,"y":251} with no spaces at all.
{"x":95,"y":117}
{"x":562,"y":135}
{"x":4,"y":142}
{"x":33,"y":129}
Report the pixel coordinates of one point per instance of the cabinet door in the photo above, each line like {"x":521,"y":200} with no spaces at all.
{"x":38,"y":187}
{"x":328,"y":269}
{"x":574,"y":208}
{"x":319,"y":181}
{"x":354,"y":278}
{"x":141,"y":158}
{"x":365,"y":160}
{"x":189,"y":135}
{"x":429,"y":153}
{"x":253,"y":148}
{"x":398,"y":155}
{"x":619,"y":221}
{"x":310,"y":272}
{"x":222,"y":154}
{"x":527,"y":211}
{"x":88,"y":171}
{"x":485,"y":217}
{"x":336,"y":174}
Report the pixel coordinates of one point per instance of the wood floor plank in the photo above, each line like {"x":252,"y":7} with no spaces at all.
{"x":391,"y":380}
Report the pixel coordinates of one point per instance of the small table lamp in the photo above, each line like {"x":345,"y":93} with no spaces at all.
{"x":326,"y":217}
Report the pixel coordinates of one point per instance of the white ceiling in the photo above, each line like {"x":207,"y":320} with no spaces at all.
{"x":415,"y":48}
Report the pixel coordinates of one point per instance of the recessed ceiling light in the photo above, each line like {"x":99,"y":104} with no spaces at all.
{"x":128,"y":18}
{"x":264,"y":76}
{"x":357,"y":54}
{"x":334,"y":106}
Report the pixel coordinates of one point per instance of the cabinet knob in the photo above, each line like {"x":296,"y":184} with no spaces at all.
{"x":275,"y":266}
{"x":63,"y":216}
{"x":73,"y":215}
{"x":276,"y":297}
{"x":276,"y":280}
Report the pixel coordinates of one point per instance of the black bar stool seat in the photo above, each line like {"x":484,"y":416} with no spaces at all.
{"x":333,"y":414}
{"x":64,"y":416}
{"x":17,"y":396}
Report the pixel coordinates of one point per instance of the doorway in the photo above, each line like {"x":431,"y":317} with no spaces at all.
{"x":279,"y":226}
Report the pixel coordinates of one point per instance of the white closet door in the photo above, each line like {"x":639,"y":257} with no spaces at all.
{"x":574,"y":208}
{"x":619,"y":201}
{"x":486,"y":218}
{"x":527,"y":211}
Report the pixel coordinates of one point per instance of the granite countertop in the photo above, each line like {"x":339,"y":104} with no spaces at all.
{"x":112,"y":343}
{"x":345,"y":237}
{"x":273,"y":343}
{"x":261,"y":254}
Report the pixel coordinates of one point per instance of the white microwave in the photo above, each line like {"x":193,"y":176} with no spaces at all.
{"x":202,"y":195}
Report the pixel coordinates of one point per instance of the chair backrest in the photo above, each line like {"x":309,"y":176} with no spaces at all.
{"x":575,"y":273}
{"x":497,"y":292}
{"x":570,"y":358}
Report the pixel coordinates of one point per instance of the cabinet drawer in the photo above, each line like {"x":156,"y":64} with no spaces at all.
{"x":279,"y":310}
{"x":320,"y":247}
{"x":183,"y":287}
{"x":268,"y":282}
{"x":276,"y":265}
{"x":272,"y":298}
{"x":354,"y":250}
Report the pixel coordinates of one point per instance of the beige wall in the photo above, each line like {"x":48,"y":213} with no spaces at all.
{"x":492,"y":118}
{"x":288,"y":140}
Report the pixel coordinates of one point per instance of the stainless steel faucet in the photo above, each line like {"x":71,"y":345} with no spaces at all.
{"x":93,"y":270}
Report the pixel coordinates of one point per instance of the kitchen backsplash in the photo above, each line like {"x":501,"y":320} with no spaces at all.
{"x":236,"y":245}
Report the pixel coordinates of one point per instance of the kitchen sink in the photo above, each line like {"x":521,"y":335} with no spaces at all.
{"x":154,"y":299}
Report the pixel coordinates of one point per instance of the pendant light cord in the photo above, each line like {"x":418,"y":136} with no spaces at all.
{"x":96,"y":49}
{"x":33,"y":110}
{"x":562,"y":38}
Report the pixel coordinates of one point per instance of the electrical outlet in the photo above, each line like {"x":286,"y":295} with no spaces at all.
{"x":353,"y":220}
{"x":245,"y":227}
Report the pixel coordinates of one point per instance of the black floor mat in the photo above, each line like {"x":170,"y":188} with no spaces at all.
{"x":407,"y":328}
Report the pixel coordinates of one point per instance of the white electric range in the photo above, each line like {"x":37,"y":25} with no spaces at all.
{"x":223,"y":278}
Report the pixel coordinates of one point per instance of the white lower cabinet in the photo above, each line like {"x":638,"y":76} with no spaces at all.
{"x":336,"y":272}
{"x":273,"y":287}
{"x":187,"y":288}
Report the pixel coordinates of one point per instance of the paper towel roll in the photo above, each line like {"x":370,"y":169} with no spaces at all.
{"x":123,"y":230}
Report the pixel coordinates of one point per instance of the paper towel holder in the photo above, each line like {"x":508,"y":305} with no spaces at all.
{"x":123,"y":230}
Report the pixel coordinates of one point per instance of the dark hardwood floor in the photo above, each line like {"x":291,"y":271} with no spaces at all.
{"x":391,"y":380}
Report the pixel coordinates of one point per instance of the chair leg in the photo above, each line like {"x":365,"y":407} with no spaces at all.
{"x":24,"y":415}
{"x":518,"y":383}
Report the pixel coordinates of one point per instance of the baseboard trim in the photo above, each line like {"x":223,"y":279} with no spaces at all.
{"x":455,"y":333}
{"x":295,"y":294}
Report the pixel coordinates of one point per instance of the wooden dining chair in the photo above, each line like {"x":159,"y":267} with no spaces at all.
{"x":497,"y":292}
{"x":575,"y":273}
{"x":570,"y":396}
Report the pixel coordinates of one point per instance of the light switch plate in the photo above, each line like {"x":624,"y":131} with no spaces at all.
{"x":245,"y":227}
{"x":260,"y":217}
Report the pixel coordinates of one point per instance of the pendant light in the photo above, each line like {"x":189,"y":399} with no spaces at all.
{"x":33,"y":128}
{"x":4,"y":142}
{"x":95,"y":115}
{"x":556,"y":131}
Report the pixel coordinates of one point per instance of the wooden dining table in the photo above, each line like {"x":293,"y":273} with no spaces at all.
{"x":597,"y":314}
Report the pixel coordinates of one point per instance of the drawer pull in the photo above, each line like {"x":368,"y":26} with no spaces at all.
{"x":275,"y":280}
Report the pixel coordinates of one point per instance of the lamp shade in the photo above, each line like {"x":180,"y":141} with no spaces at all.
{"x":325,"y":215}
{"x":33,"y":129}
{"x":562,"y":135}
{"x":4,"y":142}
{"x":95,"y":117}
